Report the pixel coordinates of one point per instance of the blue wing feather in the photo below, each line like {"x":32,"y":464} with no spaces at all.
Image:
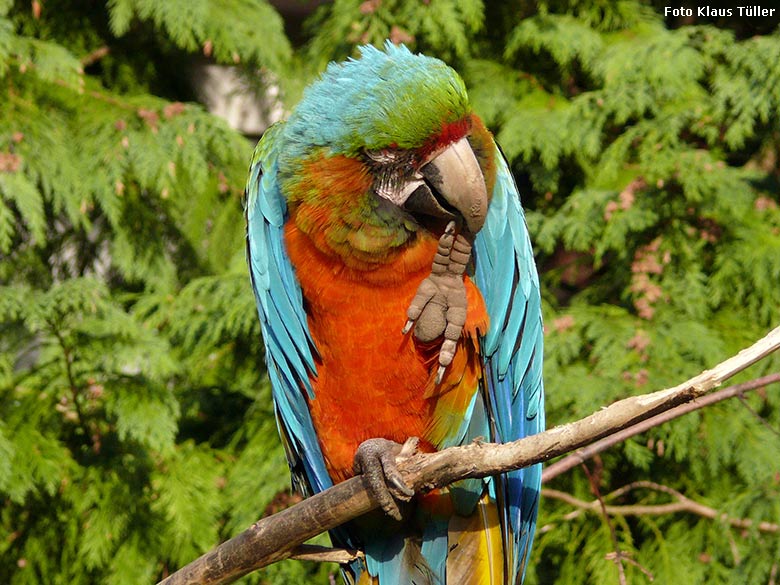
{"x":512,"y":347}
{"x":506,"y":274}
{"x":290,"y":351}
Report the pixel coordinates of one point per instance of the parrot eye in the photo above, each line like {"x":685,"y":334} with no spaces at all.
{"x":391,"y":161}
{"x":394,"y":172}
{"x":386,"y":156}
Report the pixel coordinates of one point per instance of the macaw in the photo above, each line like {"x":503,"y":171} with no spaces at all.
{"x":399,"y":305}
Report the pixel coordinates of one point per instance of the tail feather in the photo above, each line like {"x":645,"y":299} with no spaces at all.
{"x":452,"y":550}
{"x":366,"y":579}
{"x":476,"y":547}
{"x":399,"y":559}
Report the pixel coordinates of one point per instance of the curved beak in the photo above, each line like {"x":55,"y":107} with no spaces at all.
{"x":455,"y":175}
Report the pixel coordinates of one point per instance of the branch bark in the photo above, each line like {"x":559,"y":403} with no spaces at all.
{"x":581,"y":455}
{"x":274,"y":538}
{"x":681,"y":504}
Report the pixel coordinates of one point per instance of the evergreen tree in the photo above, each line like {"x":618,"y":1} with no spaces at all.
{"x":136,"y":426}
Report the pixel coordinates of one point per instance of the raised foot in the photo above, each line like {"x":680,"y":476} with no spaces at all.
{"x":377,"y":461}
{"x":439,"y":307}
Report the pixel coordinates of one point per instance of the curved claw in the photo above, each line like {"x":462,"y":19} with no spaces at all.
{"x":376,"y":460}
{"x":440,"y":374}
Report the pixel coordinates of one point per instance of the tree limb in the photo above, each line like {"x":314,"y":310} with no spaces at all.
{"x":95,"y":56}
{"x":338,"y":555}
{"x":325,"y":554}
{"x":617,"y":556}
{"x":273,"y":538}
{"x":682,"y":504}
{"x":580,"y":455}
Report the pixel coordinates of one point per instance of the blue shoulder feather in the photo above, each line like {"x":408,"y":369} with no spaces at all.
{"x":506,"y":275}
{"x":289,"y":349}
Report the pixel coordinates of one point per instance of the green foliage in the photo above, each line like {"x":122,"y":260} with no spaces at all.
{"x":443,"y":27}
{"x":136,"y":429}
{"x":230,"y":30}
{"x":136,"y":425}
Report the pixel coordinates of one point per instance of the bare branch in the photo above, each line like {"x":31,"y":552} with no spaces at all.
{"x":627,"y":558}
{"x":95,"y":56}
{"x":618,"y":555}
{"x":683,"y":504}
{"x":75,"y":391}
{"x":274,"y":538}
{"x":325,"y":554}
{"x":758,"y":417}
{"x":580,"y":455}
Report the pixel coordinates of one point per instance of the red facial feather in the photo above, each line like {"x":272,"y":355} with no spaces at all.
{"x":450,"y":132}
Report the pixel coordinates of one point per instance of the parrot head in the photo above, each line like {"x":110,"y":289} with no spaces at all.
{"x":382,"y":150}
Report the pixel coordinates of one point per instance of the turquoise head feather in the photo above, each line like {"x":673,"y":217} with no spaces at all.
{"x":371,"y":102}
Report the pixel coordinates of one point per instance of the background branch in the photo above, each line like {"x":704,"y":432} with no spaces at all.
{"x":682,"y":504}
{"x":274,"y":538}
{"x":617,"y":556}
{"x":580,"y":455}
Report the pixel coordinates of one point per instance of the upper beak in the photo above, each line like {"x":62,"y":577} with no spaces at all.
{"x":454,"y":174}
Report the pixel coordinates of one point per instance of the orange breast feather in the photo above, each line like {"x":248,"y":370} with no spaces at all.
{"x":372,"y":381}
